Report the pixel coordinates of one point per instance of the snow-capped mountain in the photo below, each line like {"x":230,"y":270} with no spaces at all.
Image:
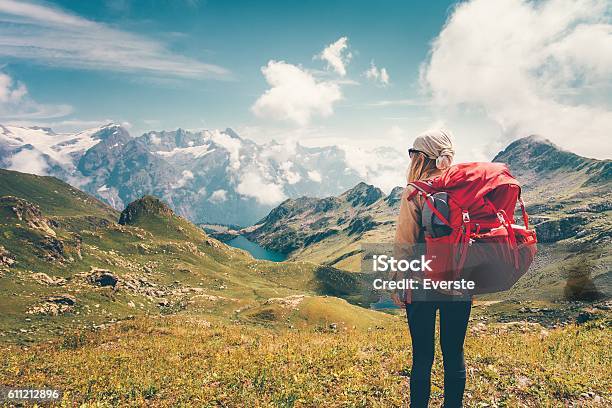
{"x":207,"y":176}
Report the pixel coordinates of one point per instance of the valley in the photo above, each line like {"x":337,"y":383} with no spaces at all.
{"x":568,"y":199}
{"x":159,"y":312}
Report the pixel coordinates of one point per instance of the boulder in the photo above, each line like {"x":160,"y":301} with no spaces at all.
{"x":52,"y":248}
{"x":63,"y":299}
{"x":103,"y":277}
{"x":584,"y":317}
{"x":6,"y":259}
{"x":45,"y":279}
{"x":54,"y":305}
{"x":29,"y":213}
{"x":557,"y":230}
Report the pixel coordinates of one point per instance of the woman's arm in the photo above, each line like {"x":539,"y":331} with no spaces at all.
{"x":407,"y":234}
{"x":408,"y":225}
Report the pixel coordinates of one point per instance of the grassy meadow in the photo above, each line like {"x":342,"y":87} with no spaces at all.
{"x":188,"y":361}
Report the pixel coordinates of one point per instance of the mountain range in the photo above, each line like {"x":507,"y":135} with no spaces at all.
{"x":568,"y":199}
{"x":207,"y":176}
{"x":91,"y":295}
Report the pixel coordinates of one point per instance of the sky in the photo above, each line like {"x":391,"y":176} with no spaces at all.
{"x":353,"y":73}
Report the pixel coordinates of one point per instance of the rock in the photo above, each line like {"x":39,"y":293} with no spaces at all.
{"x":290,"y":302}
{"x":584,"y":317}
{"x":363,"y":194}
{"x":581,"y":234}
{"x":52,"y":248}
{"x":45,"y":279}
{"x":333,"y":326}
{"x":326,"y":204}
{"x":63,"y":299}
{"x":319,"y":236}
{"x":54,"y":305}
{"x":557,"y":230}
{"x":6,"y":259}
{"x":29,"y":213}
{"x":592,"y":208}
{"x":163,"y":302}
{"x":103,"y":277}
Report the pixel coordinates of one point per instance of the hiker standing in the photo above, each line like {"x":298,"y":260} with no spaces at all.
{"x":431,"y":154}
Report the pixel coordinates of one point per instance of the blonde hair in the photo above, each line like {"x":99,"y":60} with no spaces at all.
{"x":421,"y":167}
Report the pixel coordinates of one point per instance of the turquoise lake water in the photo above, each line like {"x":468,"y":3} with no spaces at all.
{"x":256,"y":250}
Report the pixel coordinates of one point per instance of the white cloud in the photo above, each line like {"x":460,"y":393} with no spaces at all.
{"x":541,"y":67}
{"x":295,"y":94}
{"x":51,"y":36}
{"x":378,"y":75}
{"x":15,"y":103}
{"x":400,"y":102}
{"x":315,"y":176}
{"x":29,"y":161}
{"x":380,"y":166}
{"x":288,"y":174}
{"x":337,"y":55}
{"x":218,"y":196}
{"x":186,"y":175}
{"x":232,"y":145}
{"x":253,"y":185}
{"x":11,"y":91}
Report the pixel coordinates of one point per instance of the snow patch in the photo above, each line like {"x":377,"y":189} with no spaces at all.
{"x":61,"y":148}
{"x":195,"y":151}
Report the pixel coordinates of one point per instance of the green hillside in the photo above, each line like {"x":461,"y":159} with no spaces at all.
{"x":53,"y":196}
{"x":67,"y":263}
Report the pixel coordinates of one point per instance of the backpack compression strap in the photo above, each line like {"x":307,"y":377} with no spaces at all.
{"x":425,"y":190}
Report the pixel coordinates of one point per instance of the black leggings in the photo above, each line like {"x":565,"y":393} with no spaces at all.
{"x":454,"y":316}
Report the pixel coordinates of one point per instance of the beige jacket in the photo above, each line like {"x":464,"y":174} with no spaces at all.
{"x":409,"y":229}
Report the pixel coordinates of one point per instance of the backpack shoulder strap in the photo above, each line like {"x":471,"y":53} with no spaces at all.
{"x":420,"y":187}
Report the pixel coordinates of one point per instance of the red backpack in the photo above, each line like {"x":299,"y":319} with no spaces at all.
{"x":470,"y":231}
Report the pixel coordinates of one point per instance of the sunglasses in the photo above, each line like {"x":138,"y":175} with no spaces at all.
{"x":413,"y":152}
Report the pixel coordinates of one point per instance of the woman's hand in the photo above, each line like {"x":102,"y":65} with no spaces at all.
{"x":396,"y":300}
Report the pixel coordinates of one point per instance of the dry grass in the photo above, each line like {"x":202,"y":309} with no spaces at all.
{"x":184,"y":361}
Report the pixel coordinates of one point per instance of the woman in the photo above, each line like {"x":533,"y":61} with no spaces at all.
{"x":431,"y":154}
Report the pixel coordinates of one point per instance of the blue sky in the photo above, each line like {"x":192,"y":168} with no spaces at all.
{"x":198,"y":64}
